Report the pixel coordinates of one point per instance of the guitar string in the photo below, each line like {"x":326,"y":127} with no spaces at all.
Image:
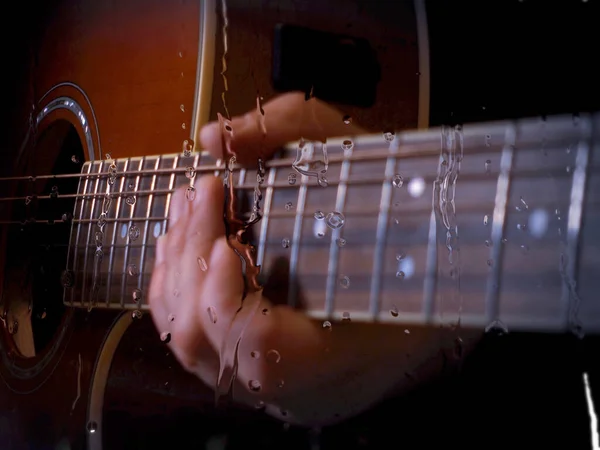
{"x":406,"y":151}
{"x":357,"y":181}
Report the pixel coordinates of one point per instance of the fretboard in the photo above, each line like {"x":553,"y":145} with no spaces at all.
{"x":488,"y":222}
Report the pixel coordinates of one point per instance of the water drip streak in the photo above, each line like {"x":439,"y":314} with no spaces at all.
{"x":224,"y":57}
{"x":444,"y":200}
{"x":235,"y":231}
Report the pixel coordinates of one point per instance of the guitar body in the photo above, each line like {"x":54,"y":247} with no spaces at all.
{"x":132,"y":78}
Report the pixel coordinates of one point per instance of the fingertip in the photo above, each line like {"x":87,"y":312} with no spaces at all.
{"x":210,"y":139}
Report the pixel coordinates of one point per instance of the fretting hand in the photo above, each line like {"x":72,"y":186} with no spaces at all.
{"x":301,"y":372}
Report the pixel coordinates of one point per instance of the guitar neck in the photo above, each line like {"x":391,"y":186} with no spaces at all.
{"x":486,"y":222}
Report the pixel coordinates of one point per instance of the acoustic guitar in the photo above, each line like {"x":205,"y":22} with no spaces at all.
{"x":489,"y":225}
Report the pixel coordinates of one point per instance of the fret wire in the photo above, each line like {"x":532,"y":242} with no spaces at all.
{"x":296,"y":238}
{"x":264,"y":226}
{"x":170,"y":195}
{"x":334,"y":250}
{"x":381,"y":233}
{"x":132,"y":209}
{"x":431,"y":272}
{"x":576,"y":207}
{"x":492,"y":297}
{"x":77,"y":234}
{"x":147,"y":228}
{"x":113,"y":240}
{"x":89,"y":234}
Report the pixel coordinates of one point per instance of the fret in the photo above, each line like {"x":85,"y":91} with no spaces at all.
{"x":147,"y":227}
{"x":492,"y":303}
{"x":127,"y":247}
{"x":111,"y":258}
{"x":78,"y":233}
{"x":334,"y":250}
{"x":169,"y":195}
{"x":569,"y":295}
{"x":431,"y":270}
{"x":89,"y":235}
{"x":264,"y":226}
{"x":296,"y":238}
{"x":385,"y":203}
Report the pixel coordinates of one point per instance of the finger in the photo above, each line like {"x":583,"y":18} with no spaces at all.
{"x":287,"y":118}
{"x":206,"y":213}
{"x":222,"y":293}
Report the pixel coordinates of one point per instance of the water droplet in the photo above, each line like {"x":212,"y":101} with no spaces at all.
{"x":285,"y":243}
{"x":265,"y":312}
{"x":394,"y":311}
{"x":131,"y":186}
{"x":389,"y":136}
{"x":75,"y":159}
{"x":255,"y":354}
{"x":212,"y":314}
{"x":202,"y":264}
{"x":280,"y":383}
{"x":400,"y":274}
{"x":340,"y":242}
{"x":496,"y":328}
{"x":273,"y":356}
{"x":171,"y":317}
{"x":323,"y":182}
{"x":347,"y":119}
{"x":524,"y":249}
{"x":490,"y":262}
{"x":398,"y":181}
{"x":175,"y":293}
{"x":254,"y":385}
{"x":458,"y":348}
{"x":188,"y":146}
{"x":400,"y":257}
{"x":521,"y":227}
{"x":132,"y":270}
{"x":130,"y":200}
{"x":319,"y":215}
{"x":182,"y":108}
{"x":335,"y":220}
{"x":488,"y":166}
{"x":136,"y":314}
{"x":137,"y":295}
{"x":327,"y":325}
{"x":292,"y":179}
{"x":488,"y":243}
{"x":190,"y":193}
{"x":108,"y":157}
{"x":260,"y":405}
{"x":525,"y":205}
{"x":190,"y":172}
{"x":538,"y":222}
{"x":407,"y":331}
{"x":67,"y":278}
{"x":92,"y":427}
{"x":568,"y":169}
{"x":344,"y":282}
{"x":289,"y":206}
{"x":345,"y":316}
{"x":183,"y":126}
{"x":486,"y":220}
{"x":347,"y":144}
{"x":134,"y":233}
{"x":165,"y":337}
{"x":13,"y":327}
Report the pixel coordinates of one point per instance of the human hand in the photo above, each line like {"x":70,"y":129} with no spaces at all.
{"x":299,"y":371}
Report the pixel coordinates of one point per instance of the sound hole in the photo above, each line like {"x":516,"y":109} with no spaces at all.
{"x":38,"y":241}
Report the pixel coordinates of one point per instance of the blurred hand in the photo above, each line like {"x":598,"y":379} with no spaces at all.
{"x":302,"y":372}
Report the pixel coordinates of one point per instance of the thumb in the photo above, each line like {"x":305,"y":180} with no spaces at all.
{"x":287,"y":118}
